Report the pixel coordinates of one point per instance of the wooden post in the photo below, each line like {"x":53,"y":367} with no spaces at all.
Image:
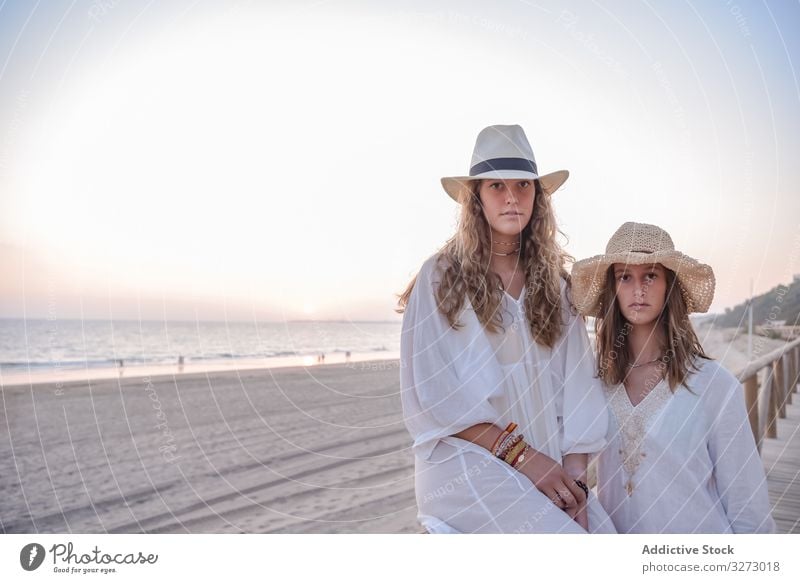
{"x":771,"y":385}
{"x":795,"y":368}
{"x":751,"y":402}
{"x":791,"y":373}
{"x":779,"y":387}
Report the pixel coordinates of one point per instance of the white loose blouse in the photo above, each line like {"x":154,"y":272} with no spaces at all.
{"x":684,"y":462}
{"x":454,"y":379}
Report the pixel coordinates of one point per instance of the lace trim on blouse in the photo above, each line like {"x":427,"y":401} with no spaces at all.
{"x":633,"y":422}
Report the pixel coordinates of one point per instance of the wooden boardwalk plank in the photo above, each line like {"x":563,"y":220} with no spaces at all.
{"x":782,"y":462}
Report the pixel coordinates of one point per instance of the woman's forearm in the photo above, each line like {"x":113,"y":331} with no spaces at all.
{"x":486,"y":434}
{"x":483,"y":434}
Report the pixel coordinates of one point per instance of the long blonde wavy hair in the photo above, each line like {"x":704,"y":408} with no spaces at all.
{"x":466,"y":257}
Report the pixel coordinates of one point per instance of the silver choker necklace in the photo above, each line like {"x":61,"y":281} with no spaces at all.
{"x":645,"y":363}
{"x":506,"y":254}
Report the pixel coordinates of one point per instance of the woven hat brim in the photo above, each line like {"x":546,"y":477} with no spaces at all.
{"x":696,"y":280}
{"x":550,"y":182}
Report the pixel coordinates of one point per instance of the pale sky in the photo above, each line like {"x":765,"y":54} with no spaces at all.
{"x":283,"y":161}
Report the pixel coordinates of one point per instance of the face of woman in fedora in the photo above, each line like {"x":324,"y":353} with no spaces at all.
{"x":641,"y":291}
{"x":507,"y":204}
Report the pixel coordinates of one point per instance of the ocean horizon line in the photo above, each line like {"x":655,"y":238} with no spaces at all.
{"x":210,"y":321}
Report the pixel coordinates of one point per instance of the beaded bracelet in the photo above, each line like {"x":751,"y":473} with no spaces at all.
{"x":503,"y":444}
{"x":503,"y":434}
{"x":521,"y":457}
{"x":508,"y":445}
{"x":514,"y":451}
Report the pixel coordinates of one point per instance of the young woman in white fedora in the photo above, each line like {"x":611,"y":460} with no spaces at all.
{"x":681,"y":456}
{"x":498,"y":384}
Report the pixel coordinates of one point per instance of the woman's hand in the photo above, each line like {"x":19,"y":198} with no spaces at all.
{"x":555,"y":482}
{"x":552,"y":481}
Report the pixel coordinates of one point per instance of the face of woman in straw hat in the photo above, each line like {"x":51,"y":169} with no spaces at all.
{"x":641,"y":291}
{"x":507,"y":204}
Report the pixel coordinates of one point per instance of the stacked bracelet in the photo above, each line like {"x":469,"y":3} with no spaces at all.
{"x":521,"y":457}
{"x":502,"y":437}
{"x":510,"y":447}
{"x":508,"y":444}
{"x":514,"y":452}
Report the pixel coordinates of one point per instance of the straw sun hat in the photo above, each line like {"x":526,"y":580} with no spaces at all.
{"x":503,"y":151}
{"x":641,"y":244}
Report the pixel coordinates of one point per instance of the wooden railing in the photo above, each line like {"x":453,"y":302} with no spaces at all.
{"x":781,"y":369}
{"x":785,"y":332}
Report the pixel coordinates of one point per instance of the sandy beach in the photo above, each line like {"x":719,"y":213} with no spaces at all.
{"x":302,"y":449}
{"x":321,"y":449}
{"x":56,"y":375}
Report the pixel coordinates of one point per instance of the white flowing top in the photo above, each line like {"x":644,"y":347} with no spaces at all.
{"x":682,"y":462}
{"x":454,"y":379}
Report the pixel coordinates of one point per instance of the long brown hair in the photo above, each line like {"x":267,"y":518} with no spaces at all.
{"x":612,"y":331}
{"x":465,"y":260}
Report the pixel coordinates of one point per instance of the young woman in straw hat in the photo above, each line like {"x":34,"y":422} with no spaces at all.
{"x":681,"y":456}
{"x":498,"y":384}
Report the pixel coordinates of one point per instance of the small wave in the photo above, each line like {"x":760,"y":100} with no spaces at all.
{"x":49,"y":364}
{"x":284,"y":353}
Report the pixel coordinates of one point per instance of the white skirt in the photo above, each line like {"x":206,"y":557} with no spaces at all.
{"x":463,"y":488}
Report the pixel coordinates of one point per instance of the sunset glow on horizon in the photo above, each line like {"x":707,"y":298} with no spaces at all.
{"x":284,"y":163}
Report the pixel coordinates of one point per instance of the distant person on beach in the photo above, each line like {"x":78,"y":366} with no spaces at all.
{"x":347,"y":356}
{"x":681,"y":456}
{"x":180,"y":363}
{"x":497,"y":382}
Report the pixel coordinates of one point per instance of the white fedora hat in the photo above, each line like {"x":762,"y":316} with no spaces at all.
{"x":503,"y":151}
